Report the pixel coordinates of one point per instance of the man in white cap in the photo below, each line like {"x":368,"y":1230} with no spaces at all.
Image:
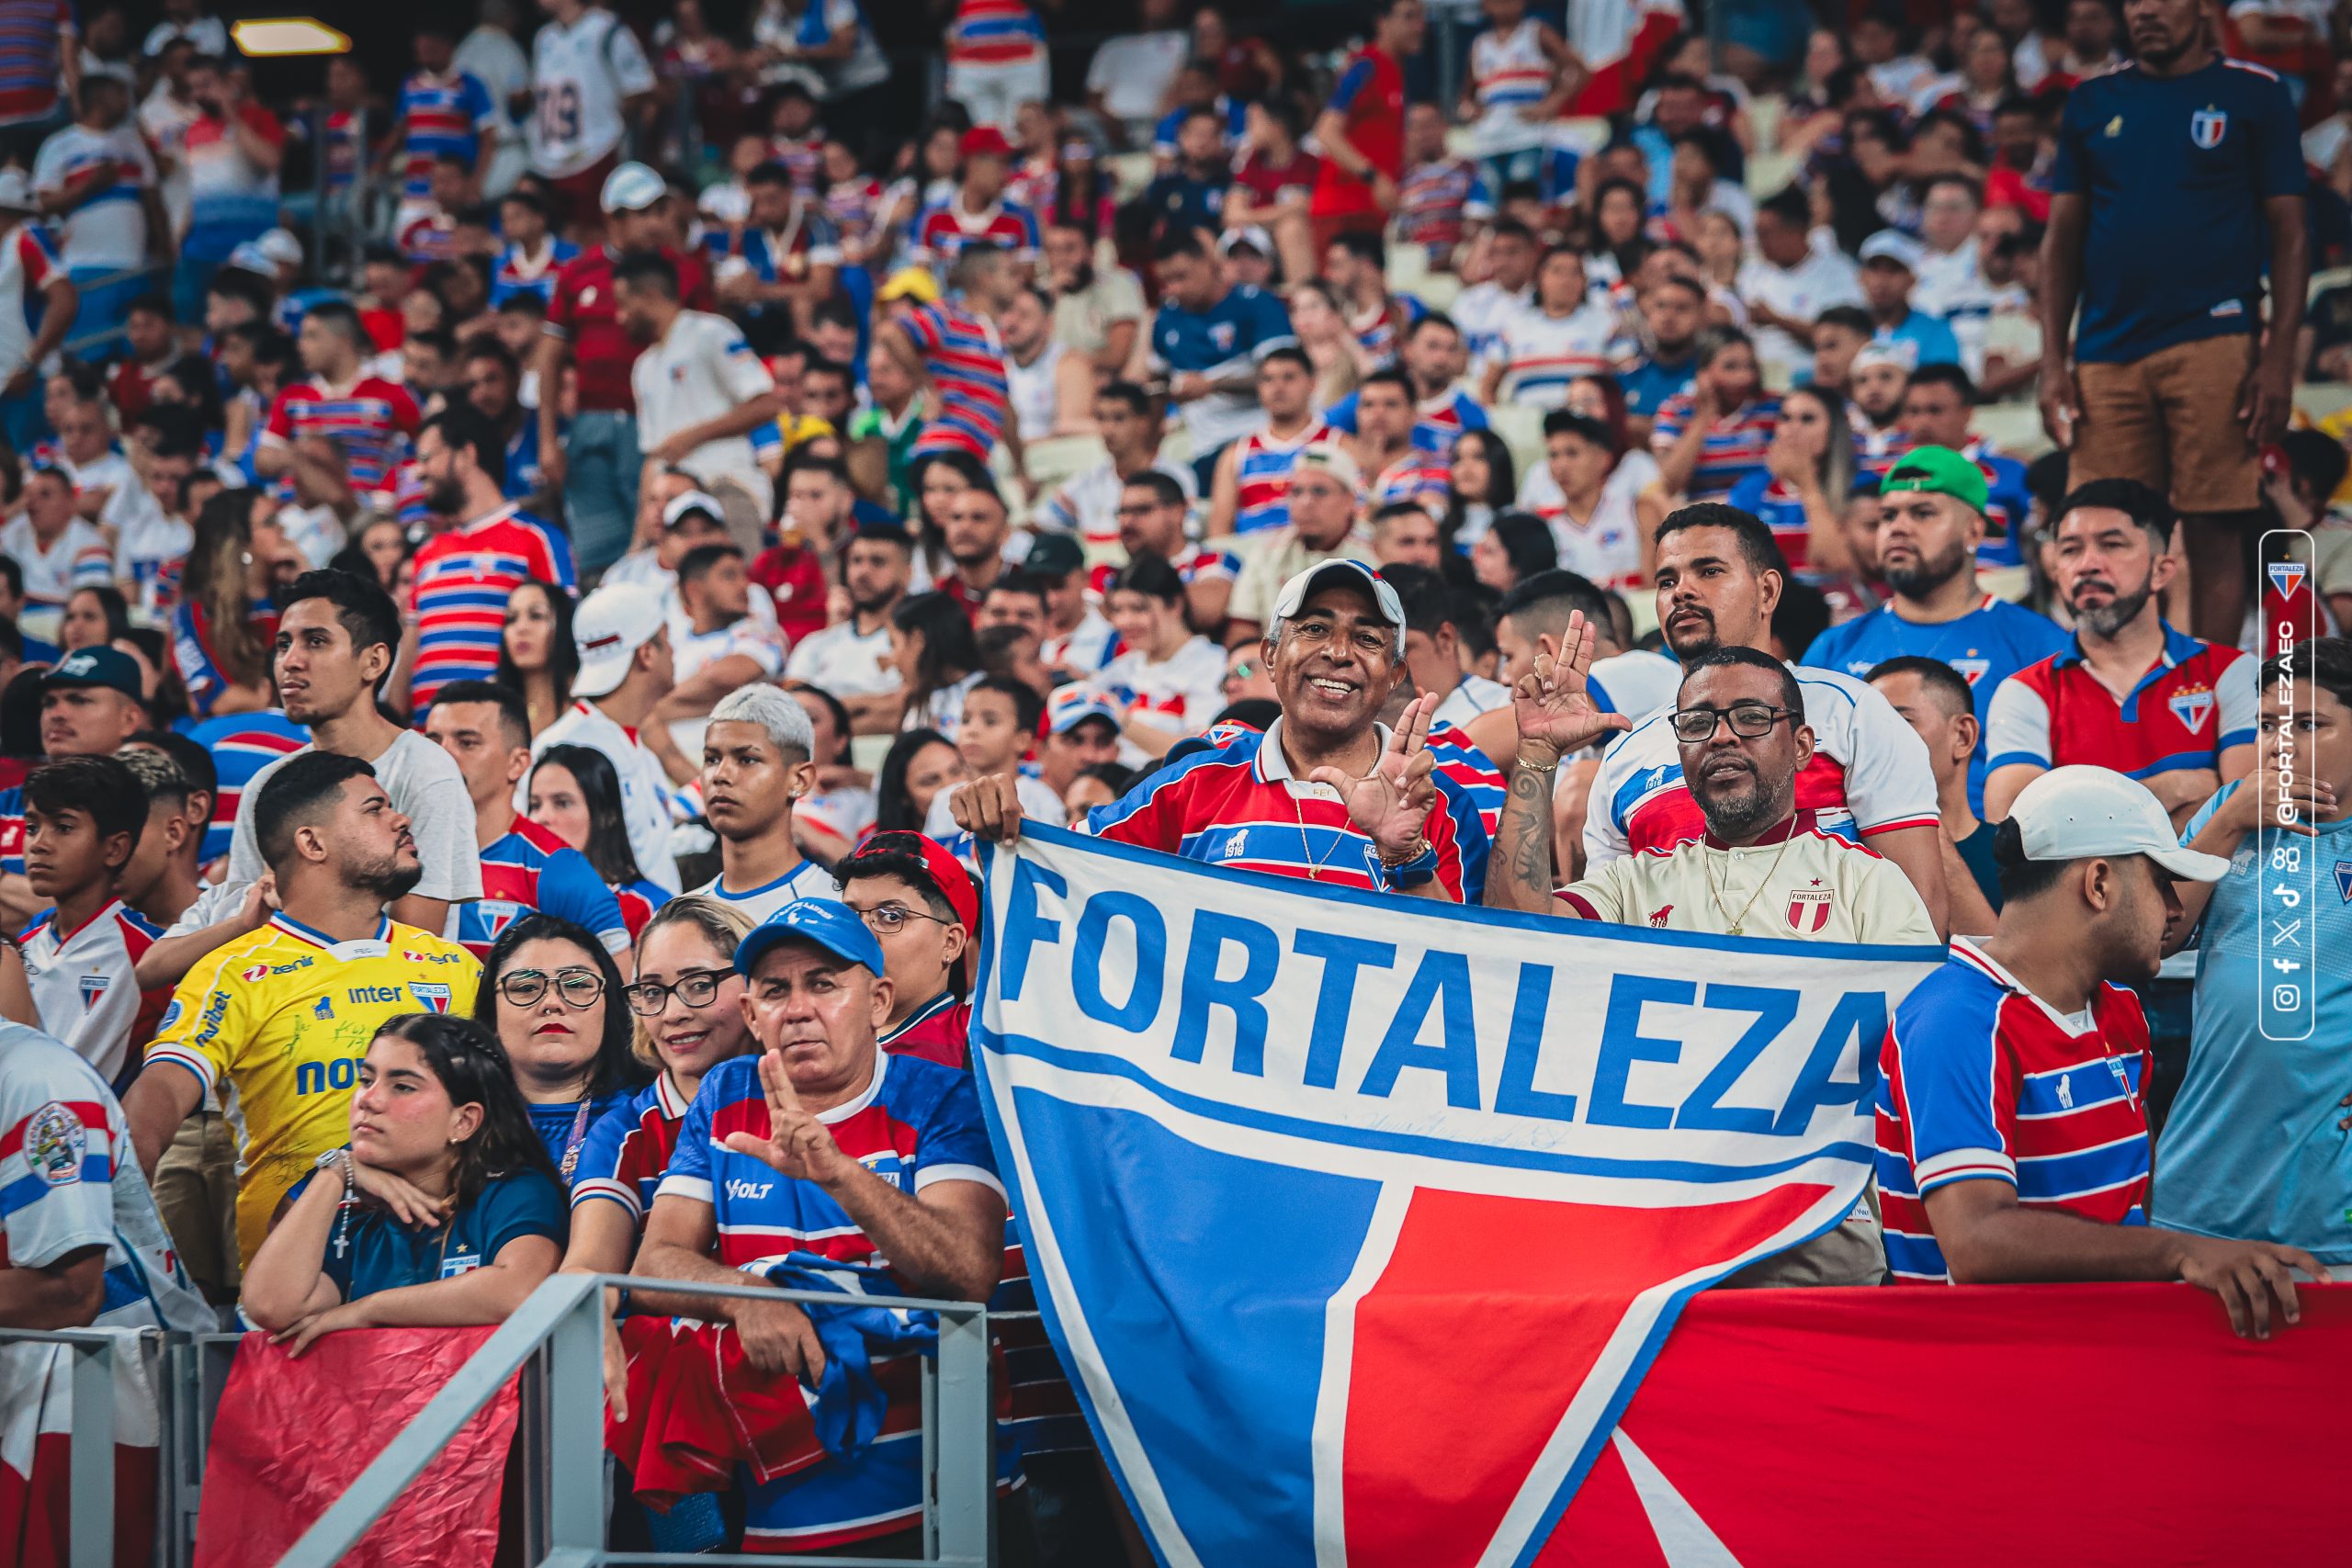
{"x":28,"y":266}
{"x":1327,"y":793}
{"x":590,"y":75}
{"x":1326,"y":512}
{"x":1890,"y":270}
{"x":624,"y":669}
{"x":97,"y":175}
{"x":2012,"y":1122}
{"x":598,"y":461}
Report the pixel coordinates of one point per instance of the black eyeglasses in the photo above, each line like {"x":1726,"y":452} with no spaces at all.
{"x":696,"y":987}
{"x":890,"y":920}
{"x":1747,"y":720}
{"x":579,"y":987}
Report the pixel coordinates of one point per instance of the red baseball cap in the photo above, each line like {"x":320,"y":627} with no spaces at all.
{"x":985,"y":142}
{"x":945,"y":872}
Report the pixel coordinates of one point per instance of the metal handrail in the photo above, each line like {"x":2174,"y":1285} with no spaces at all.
{"x":89,"y":1464}
{"x":564,"y":1318}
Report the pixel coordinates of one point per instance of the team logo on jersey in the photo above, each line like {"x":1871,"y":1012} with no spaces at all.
{"x":1816,"y":900}
{"x":1972,"y":670}
{"x":2065,"y":1092}
{"x":1236,"y":844}
{"x":2344,"y":880}
{"x":2115,"y":126}
{"x":498,"y":914}
{"x":93,"y":988}
{"x":463,"y":1263}
{"x":2193,"y":709}
{"x":1659,"y":916}
{"x":2208,"y":126}
{"x":1221,"y":336}
{"x":2286,"y":576}
{"x":171,"y":1016}
{"x":324,"y":1008}
{"x":55,"y":1141}
{"x":258,"y":972}
{"x":430,"y":997}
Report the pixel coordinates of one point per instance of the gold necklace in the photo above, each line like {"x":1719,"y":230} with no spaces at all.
{"x":1306,"y":845}
{"x":1738,"y":921}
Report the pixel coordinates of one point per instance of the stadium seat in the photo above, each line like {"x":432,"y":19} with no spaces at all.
{"x":1521,"y":428}
{"x":1058,"y":458}
{"x":2014,"y":429}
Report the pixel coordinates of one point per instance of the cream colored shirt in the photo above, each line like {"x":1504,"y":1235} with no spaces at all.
{"x":1281,"y":558}
{"x":1800,"y":884}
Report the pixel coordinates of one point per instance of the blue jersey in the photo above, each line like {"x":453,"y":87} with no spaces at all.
{"x":1649,"y":382}
{"x":1920,"y":339}
{"x":514,"y":272}
{"x":916,"y":1124}
{"x":2251,"y":1148}
{"x":2176,"y":171}
{"x":524,"y":477}
{"x":1987,"y":645}
{"x":1437,"y":423}
{"x":1228,"y":334}
{"x":1236,"y":125}
{"x":529,"y":868}
{"x":384,"y":1254}
{"x":241,"y":744}
{"x":563,"y":1129}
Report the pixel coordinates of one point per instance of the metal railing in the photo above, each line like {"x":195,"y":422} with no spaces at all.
{"x":555,"y":1342}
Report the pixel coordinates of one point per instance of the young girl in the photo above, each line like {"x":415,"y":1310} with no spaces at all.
{"x":576,"y":796}
{"x":1800,"y":492}
{"x":443,"y":1212}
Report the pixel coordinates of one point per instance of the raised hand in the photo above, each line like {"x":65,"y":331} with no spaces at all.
{"x":1554,"y":701}
{"x":1391,"y":804}
{"x":797,"y":1144}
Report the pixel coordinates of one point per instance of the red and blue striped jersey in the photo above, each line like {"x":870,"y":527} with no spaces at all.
{"x":1543,"y":353}
{"x":944,"y":229}
{"x":518,"y":273}
{"x":342,"y":149}
{"x":372,"y":421}
{"x":2195,"y":703}
{"x":916,"y":1124}
{"x":1473,"y":772}
{"x":1436,"y":201}
{"x":1417,"y":475}
{"x":529,"y":868}
{"x":1263,"y":465}
{"x":1876,"y":451}
{"x":994,"y":32}
{"x":1733,"y":447}
{"x":31,"y":74}
{"x":1982,"y":1080}
{"x":1378,"y":330}
{"x":627,"y":1151}
{"x":1240,"y":807}
{"x":448,"y":113}
{"x":639,"y":899}
{"x":463,"y":581}
{"x":242,"y":745}
{"x":966,"y":363}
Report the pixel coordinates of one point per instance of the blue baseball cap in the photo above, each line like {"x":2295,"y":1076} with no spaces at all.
{"x":838,"y":929}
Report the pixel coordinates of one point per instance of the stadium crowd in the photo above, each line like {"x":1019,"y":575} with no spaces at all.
{"x":551,"y":666}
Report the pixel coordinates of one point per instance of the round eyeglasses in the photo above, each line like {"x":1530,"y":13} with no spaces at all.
{"x":579,"y":987}
{"x":696,"y":987}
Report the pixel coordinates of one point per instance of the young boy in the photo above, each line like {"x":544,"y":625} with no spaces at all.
{"x":83,"y":818}
{"x":923,"y":910}
{"x":1934,"y":699}
{"x":999,"y":723}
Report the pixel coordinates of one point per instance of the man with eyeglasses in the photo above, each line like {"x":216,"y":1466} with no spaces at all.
{"x":1151,"y":521}
{"x":921,"y":907}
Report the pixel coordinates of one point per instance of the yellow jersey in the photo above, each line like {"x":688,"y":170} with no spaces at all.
{"x":277,"y":1020}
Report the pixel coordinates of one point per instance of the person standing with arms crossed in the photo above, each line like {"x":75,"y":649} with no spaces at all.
{"x":2177,"y":175}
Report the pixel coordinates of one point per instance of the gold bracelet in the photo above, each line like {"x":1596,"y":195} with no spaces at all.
{"x":1518,"y":763}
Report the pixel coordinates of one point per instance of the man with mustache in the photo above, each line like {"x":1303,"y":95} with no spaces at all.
{"x":1867,"y":777}
{"x":2130,"y":692}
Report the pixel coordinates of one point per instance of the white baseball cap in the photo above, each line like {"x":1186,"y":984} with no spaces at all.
{"x":1889,"y":244}
{"x":1353,"y":574}
{"x":280,"y":246}
{"x":612,"y":624}
{"x":632,"y":187}
{"x":674,"y":513}
{"x":2077,"y":811}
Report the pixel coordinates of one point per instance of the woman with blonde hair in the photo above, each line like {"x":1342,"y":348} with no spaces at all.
{"x":687,"y":1002}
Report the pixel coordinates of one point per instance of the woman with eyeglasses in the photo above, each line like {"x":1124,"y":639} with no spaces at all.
{"x":687,"y":1001}
{"x":551,"y":993}
{"x":443,"y":1212}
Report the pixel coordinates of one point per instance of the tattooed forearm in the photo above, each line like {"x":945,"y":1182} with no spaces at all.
{"x":1518,"y":871}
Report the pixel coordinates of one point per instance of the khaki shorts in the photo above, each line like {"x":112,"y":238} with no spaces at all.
{"x":2171,"y":421}
{"x":196,"y":1192}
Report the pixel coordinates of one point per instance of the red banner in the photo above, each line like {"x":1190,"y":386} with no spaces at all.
{"x":2022,"y":1425}
{"x":291,"y":1435}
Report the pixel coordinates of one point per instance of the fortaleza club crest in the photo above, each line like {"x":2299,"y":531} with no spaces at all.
{"x":2207,"y":126}
{"x":429,"y":995}
{"x":2192,"y":708}
{"x":1809,"y":908}
{"x":93,"y":988}
{"x":2286,"y":576}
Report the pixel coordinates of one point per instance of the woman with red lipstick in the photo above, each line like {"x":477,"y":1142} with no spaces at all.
{"x":552,"y":994}
{"x":442,"y":1212}
{"x":688,"y":1001}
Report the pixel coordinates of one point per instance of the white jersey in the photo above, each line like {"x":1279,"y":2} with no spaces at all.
{"x":1180,"y":693}
{"x":702,"y":369}
{"x":108,"y":230}
{"x":1086,"y":503}
{"x":150,"y":548}
{"x":1033,"y":391}
{"x":1634,"y":683}
{"x":1038,"y":804}
{"x":72,"y":1180}
{"x":1475,"y":695}
{"x":1510,"y":75}
{"x":645,"y":787}
{"x":696,"y":651}
{"x":579,"y":77}
{"x":1482,"y":311}
{"x":425,"y":786}
{"x":807,"y":882}
{"x":1606,"y":546}
{"x":82,"y":982}
{"x":1796,"y":883}
{"x":1087,"y":645}
{"x":1869,"y":774}
{"x":77,"y":558}
{"x":845,"y":661}
{"x":1542,"y":354}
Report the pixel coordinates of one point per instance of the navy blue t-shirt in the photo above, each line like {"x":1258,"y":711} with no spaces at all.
{"x":383,"y":1254}
{"x":554,"y":1124}
{"x":2176,"y":170}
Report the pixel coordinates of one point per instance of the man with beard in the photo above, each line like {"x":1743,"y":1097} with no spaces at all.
{"x":757,"y":764}
{"x":1325,"y":793}
{"x":279,"y":1017}
{"x":465,"y":575}
{"x":2128,"y":693}
{"x":976,"y":527}
{"x":1867,"y":777}
{"x":1932,"y":521}
{"x":1876,"y":379}
{"x":851,"y":657}
{"x":1937,"y":408}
